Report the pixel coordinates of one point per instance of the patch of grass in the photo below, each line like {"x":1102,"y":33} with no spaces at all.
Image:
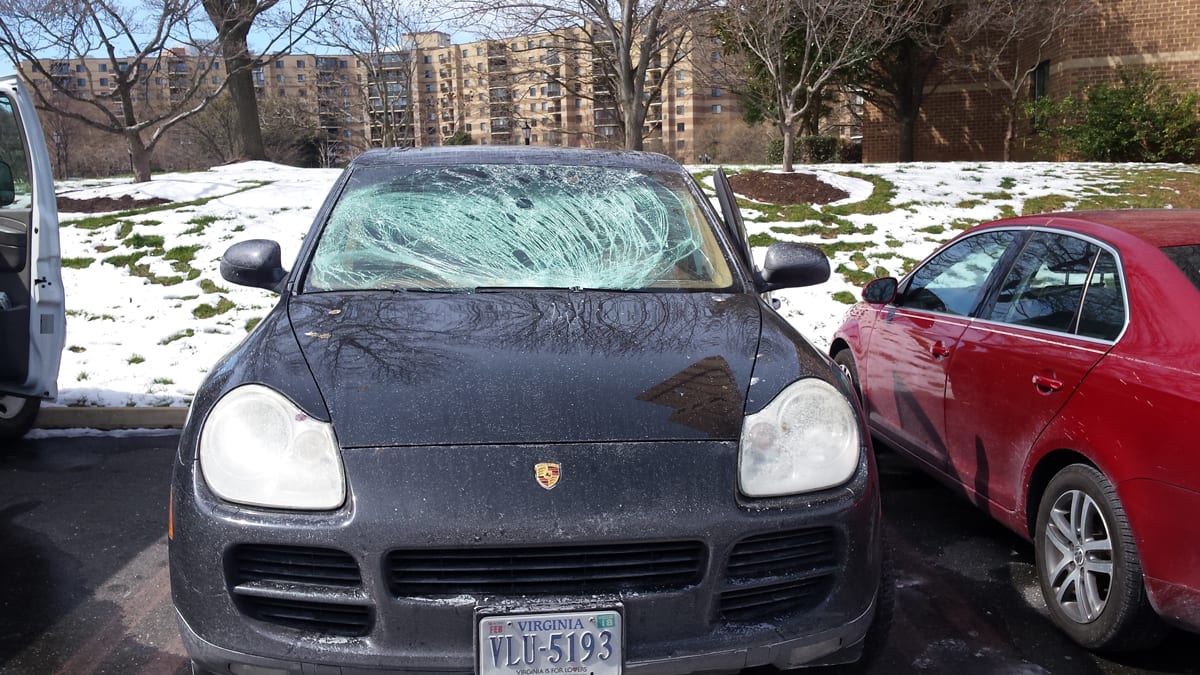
{"x":125,"y":230}
{"x":163,"y":381}
{"x":932,"y":229}
{"x":208,"y":286}
{"x":857,"y":277}
{"x":845,"y":297}
{"x":842,"y":245}
{"x":77,"y":263}
{"x":1045,"y":204}
{"x":962,"y":223}
{"x":251,"y":323}
{"x":1007,"y":211}
{"x":879,"y":202}
{"x":94,"y":222}
{"x":126,"y":260}
{"x":76,"y":349}
{"x":207,"y":311}
{"x":135,"y":359}
{"x":969,"y":204}
{"x":186,"y":333}
{"x":144,"y":241}
{"x":762,"y":239}
{"x":996,"y":196}
{"x":82,"y":376}
{"x":1008,"y":183}
{"x":183,"y":254}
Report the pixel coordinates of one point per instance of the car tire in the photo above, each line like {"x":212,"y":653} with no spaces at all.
{"x":17,"y":414}
{"x":1088,"y":566}
{"x":845,"y":363}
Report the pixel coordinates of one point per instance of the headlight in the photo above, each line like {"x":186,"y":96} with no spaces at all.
{"x":806,"y":439}
{"x":257,"y":447}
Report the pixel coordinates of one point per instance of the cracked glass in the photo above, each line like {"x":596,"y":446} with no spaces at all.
{"x":488,"y":226}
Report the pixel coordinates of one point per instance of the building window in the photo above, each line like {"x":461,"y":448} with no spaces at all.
{"x":716,"y":109}
{"x":343,"y":64}
{"x":279,"y":78}
{"x":300,"y":77}
{"x":428,"y":58}
{"x":83,"y":83}
{"x":466,"y":53}
{"x":679,"y":110}
{"x":282,"y":91}
{"x":123,"y":67}
{"x":681,"y":92}
{"x":79,"y":67}
{"x":1041,"y":80}
{"x":681,"y":74}
{"x":681,"y":144}
{"x":715,"y":56}
{"x":429,"y":89}
{"x":578,"y":103}
{"x":299,"y":63}
{"x":532,"y":107}
{"x":680,"y":126}
{"x":104,"y":82}
{"x":104,"y":67}
{"x":302,"y":93}
{"x":428,"y":74}
{"x":479,"y":51}
{"x":279,"y":63}
{"x":716,"y":93}
{"x":468,"y":127}
{"x":216,"y":80}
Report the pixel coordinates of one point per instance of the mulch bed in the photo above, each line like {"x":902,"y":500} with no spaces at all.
{"x":785,"y":188}
{"x":106,"y":204}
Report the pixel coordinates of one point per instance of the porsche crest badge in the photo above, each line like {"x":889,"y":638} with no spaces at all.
{"x":547,"y":474}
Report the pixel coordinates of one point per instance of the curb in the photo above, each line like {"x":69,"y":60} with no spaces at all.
{"x":107,"y":419}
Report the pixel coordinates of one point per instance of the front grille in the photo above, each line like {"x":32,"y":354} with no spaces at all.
{"x":764,"y":601}
{"x":777,"y":573}
{"x":781,"y":553}
{"x":543,"y":570}
{"x":312,"y":589}
{"x":293,"y":564}
{"x":326,"y":618}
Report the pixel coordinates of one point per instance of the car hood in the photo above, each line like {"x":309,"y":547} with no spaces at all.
{"x":529,"y":366}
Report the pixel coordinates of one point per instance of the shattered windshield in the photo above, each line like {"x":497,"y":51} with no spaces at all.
{"x":467,"y":227}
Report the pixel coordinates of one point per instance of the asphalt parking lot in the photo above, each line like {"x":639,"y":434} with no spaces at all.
{"x":85,"y":586}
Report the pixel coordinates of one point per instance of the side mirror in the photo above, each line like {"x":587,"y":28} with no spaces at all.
{"x":255,"y":262}
{"x":881,"y":291}
{"x":8,"y":190}
{"x":792,"y":265}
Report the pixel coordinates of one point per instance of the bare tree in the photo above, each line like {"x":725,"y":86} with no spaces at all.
{"x":139,"y":88}
{"x":1003,"y":41}
{"x":898,"y":79}
{"x":233,"y":20}
{"x":379,"y":34}
{"x":619,"y":42}
{"x":799,"y":47}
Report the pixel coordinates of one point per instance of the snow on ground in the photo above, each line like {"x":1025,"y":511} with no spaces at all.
{"x":132,"y":342}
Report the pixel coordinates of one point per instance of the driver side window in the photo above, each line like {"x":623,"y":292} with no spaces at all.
{"x":953,"y":281}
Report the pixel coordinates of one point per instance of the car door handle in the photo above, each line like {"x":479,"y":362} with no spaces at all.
{"x":1046,"y":384}
{"x":939,"y":350}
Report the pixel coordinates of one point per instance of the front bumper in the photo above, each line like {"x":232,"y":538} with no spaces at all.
{"x":782,"y":581}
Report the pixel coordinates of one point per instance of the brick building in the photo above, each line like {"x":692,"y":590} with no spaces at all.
{"x":964,"y":120}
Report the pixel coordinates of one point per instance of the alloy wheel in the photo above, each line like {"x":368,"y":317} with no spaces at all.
{"x":1079,"y":558}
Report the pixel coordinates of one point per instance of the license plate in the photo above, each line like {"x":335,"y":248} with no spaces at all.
{"x":558,"y":643}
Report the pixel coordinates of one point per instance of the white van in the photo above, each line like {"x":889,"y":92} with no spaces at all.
{"x":32,"y":315}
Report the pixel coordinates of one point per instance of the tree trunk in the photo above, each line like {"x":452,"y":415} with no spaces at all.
{"x":789,"y":144}
{"x":1010,"y":134}
{"x":241,"y":89}
{"x":139,"y":157}
{"x":908,"y":130}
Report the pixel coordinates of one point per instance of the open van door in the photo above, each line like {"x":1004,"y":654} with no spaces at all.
{"x":32,"y":314}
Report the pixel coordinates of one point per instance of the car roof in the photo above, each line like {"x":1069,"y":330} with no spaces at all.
{"x":515,"y":154}
{"x":1157,"y":227}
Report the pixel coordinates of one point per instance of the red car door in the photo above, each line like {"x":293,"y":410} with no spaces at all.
{"x":913,"y":342}
{"x":1014,"y":369}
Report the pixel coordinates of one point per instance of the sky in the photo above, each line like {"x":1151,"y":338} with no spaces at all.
{"x":132,"y":342}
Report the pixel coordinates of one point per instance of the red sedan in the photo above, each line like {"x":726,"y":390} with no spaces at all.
{"x":1049,"y":368}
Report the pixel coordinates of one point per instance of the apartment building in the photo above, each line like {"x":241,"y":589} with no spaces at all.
{"x":547,"y":89}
